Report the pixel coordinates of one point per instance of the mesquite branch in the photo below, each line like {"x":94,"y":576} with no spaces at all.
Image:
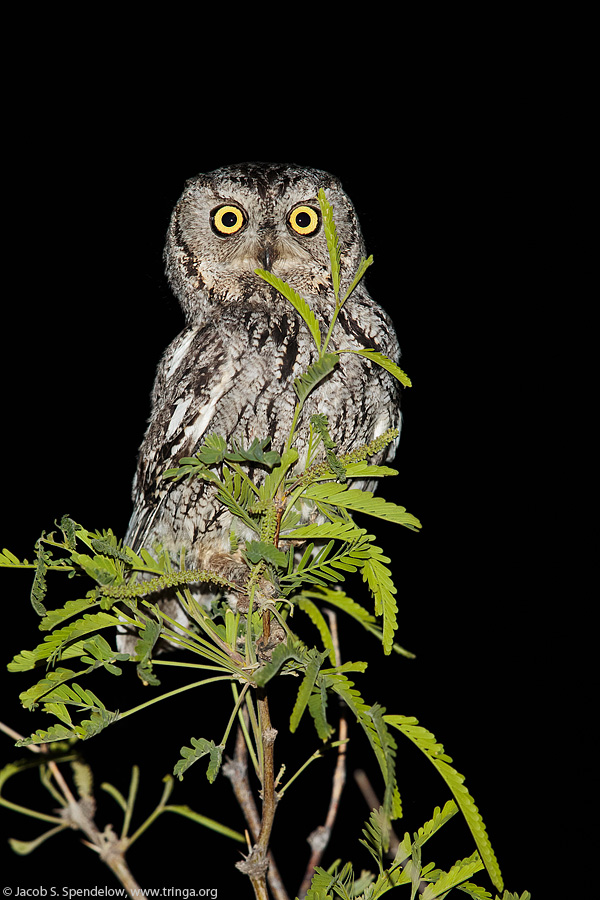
{"x":236,"y":770}
{"x":256,"y":864}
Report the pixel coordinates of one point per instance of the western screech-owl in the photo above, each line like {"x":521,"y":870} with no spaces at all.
{"x":231,"y":370}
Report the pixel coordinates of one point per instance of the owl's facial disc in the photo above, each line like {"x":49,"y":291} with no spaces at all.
{"x":262,"y":244}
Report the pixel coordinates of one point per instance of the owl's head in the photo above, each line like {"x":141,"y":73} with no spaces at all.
{"x":231,"y":221}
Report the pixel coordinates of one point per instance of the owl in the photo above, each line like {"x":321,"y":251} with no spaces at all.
{"x":231,"y":369}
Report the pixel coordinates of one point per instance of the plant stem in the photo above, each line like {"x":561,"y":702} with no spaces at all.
{"x":268,"y":786}
{"x":256,"y":864}
{"x":292,"y":434}
{"x":236,"y":770}
{"x":179,"y":690}
{"x":243,"y":725}
{"x":330,"y":331}
{"x":257,"y":861}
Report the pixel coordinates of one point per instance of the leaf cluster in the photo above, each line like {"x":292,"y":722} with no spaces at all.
{"x":405,"y":868}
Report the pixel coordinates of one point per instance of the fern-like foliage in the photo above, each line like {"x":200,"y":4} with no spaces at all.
{"x":408,"y":867}
{"x":298,"y":302}
{"x":306,"y":383}
{"x":435,"y":753}
{"x":357,"y":552}
{"x":385,"y":363}
{"x":289,"y":657}
{"x":338,"y":495}
{"x":200,"y":747}
{"x":314,"y":662}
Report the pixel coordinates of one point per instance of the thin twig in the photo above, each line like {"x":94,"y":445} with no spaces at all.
{"x":319,"y":839}
{"x":79,"y":815}
{"x":256,"y":864}
{"x":236,"y":770}
{"x":268,"y":783}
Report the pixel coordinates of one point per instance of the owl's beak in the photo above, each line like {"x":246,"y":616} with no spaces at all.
{"x":267,"y":251}
{"x":267,"y":255}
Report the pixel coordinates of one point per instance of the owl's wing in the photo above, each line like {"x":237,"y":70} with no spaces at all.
{"x":197,"y":371}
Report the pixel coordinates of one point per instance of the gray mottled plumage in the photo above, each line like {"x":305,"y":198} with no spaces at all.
{"x":231,"y":370}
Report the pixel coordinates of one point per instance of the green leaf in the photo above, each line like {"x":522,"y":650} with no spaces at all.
{"x":102,"y":654}
{"x":362,"y":268}
{"x":388,"y":758}
{"x":214,"y":762}
{"x":320,"y":424}
{"x":459,"y":872}
{"x":24,"y":848}
{"x":434,"y":751}
{"x":255,"y":453}
{"x":237,"y":504}
{"x":282,"y":654}
{"x":377,"y":734}
{"x":276,"y":476}
{"x":298,"y":302}
{"x":360,"y":501}
{"x":99,"y":719}
{"x":65,"y":642}
{"x":331,"y":237}
{"x":109,"y":548}
{"x":38,"y":588}
{"x":213,"y":450}
{"x":317,"y":618}
{"x":378,"y":577}
{"x":385,"y":362}
{"x":507,"y":895}
{"x":69,"y":529}
{"x":257,"y":550}
{"x":148,"y":637}
{"x":437,"y":821}
{"x":477,"y":893}
{"x":320,"y":885}
{"x":201,"y":747}
{"x":145,"y":562}
{"x":342,"y":601}
{"x":9,"y":559}
{"x":315,"y":661}
{"x":364,"y":469}
{"x":31,"y":697}
{"x":315,"y":373}
{"x":324,"y":566}
{"x":317,"y":707}
{"x":336,"y":597}
{"x":103,"y":569}
{"x":376,"y":836}
{"x":71,"y":608}
{"x":343,"y":531}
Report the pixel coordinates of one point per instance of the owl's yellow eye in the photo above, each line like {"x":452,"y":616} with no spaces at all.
{"x":227,"y":219}
{"x":304,"y":220}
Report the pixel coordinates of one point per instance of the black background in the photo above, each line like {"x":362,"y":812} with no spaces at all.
{"x":442,"y":171}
